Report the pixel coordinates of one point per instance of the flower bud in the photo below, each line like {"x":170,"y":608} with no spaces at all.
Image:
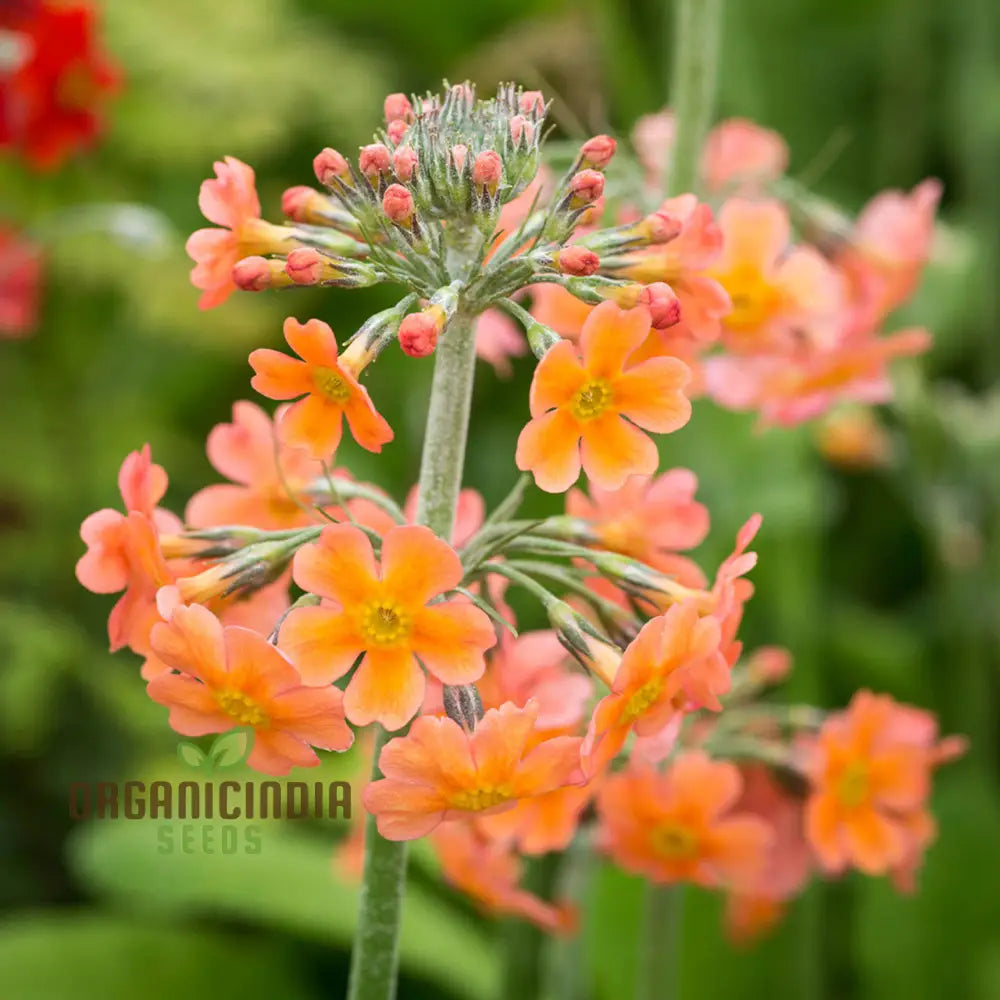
{"x":304,"y":204}
{"x":397,"y":203}
{"x":663,"y":305}
{"x":463,"y":705}
{"x":305,"y":266}
{"x":329,"y":165}
{"x":254,"y":274}
{"x":576,"y":260}
{"x":419,"y":332}
{"x":585,"y":186}
{"x":373,"y":161}
{"x":487,"y":171}
{"x":597,"y":152}
{"x":531,"y":102}
{"x":404,"y":162}
{"x":660,"y":227}
{"x":396,"y":130}
{"x":397,"y":107}
{"x":458,"y":155}
{"x":521,"y":127}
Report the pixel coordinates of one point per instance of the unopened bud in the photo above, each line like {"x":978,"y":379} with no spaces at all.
{"x":463,"y":705}
{"x":373,"y":160}
{"x":597,"y":152}
{"x":487,"y":171}
{"x":585,"y":186}
{"x":404,"y":162}
{"x":396,"y":130}
{"x":577,"y":260}
{"x":254,"y":274}
{"x":398,"y":107}
{"x":329,"y":165}
{"x":397,"y":203}
{"x":531,"y":102}
{"x":419,"y":332}
{"x":769,"y":665}
{"x":458,"y":154}
{"x":663,"y":305}
{"x":303,"y":204}
{"x":521,"y":127}
{"x":660,"y":227}
{"x":305,"y":266}
{"x":572,"y":629}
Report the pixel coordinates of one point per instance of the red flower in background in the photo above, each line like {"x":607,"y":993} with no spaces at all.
{"x":52,"y":80}
{"x":20,"y":274}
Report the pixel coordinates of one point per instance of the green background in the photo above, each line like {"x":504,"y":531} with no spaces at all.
{"x":885,"y":579}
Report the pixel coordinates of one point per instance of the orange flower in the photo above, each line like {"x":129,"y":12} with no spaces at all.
{"x":647,"y":518}
{"x":853,"y":438}
{"x":330,"y":387}
{"x":231,"y":201}
{"x":739,"y":152}
{"x":871,"y":779}
{"x":555,"y":307}
{"x":542,"y":823}
{"x":438,"y":771}
{"x":748,"y":917}
{"x":588,"y":400}
{"x":679,"y":825}
{"x":247,"y":453}
{"x":234,"y":677}
{"x":490,"y":873}
{"x":385,"y":616}
{"x":777,"y":291}
{"x":672,"y":664}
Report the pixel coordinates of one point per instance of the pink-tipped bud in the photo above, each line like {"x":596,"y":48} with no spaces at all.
{"x":660,"y":227}
{"x":663,"y":305}
{"x":299,"y":203}
{"x":585,"y":186}
{"x":418,"y":333}
{"x":404,"y":162}
{"x":373,"y":161}
{"x":531,"y":102}
{"x":487,"y":171}
{"x":397,"y":203}
{"x":304,"y":266}
{"x":577,"y":261}
{"x":520,"y":126}
{"x":597,"y":152}
{"x":254,"y":274}
{"x":463,"y":92}
{"x":396,"y":130}
{"x":328,"y":165}
{"x":398,"y":108}
{"x":458,"y":154}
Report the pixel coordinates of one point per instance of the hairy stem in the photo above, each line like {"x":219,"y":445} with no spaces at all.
{"x":659,"y":943}
{"x":375,"y":957}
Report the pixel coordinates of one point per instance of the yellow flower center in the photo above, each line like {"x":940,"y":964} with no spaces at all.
{"x":243,"y":710}
{"x":675,"y":842}
{"x":477,"y":799}
{"x":591,"y":399}
{"x":332,"y":384}
{"x":640,"y":701}
{"x":282,"y":506}
{"x":852,"y":788}
{"x":754,"y":298}
{"x":384,"y":623}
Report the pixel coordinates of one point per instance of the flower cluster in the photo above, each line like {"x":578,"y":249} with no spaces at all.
{"x":636,"y":714}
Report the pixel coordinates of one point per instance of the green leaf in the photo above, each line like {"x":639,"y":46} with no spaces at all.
{"x":231,"y":749}
{"x":191,"y":754}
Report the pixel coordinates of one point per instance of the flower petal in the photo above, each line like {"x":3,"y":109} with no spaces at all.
{"x":192,"y":643}
{"x":388,"y":687}
{"x":651,"y":394}
{"x":610,"y":335}
{"x":614,"y":449}
{"x":279,"y":376}
{"x":450,"y":639}
{"x":313,"y":341}
{"x":558,"y":375}
{"x":340,"y":565}
{"x":548,"y":448}
{"x":417,"y":565}
{"x":322,"y":643}
{"x":193,"y":708}
{"x":314,"y":423}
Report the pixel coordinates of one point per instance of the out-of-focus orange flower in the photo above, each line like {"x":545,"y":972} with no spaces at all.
{"x":234,"y":677}
{"x":673,"y":664}
{"x":489,"y":873}
{"x":51,"y":97}
{"x":853,"y":438}
{"x":438,"y":771}
{"x":680,"y":825}
{"x":579,"y":406}
{"x":498,"y":339}
{"x":384,"y":615}
{"x":748,"y":917}
{"x":741,"y":154}
{"x":330,"y":387}
{"x":20,"y":275}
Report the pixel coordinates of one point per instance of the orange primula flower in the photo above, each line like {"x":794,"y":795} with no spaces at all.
{"x":673,"y":664}
{"x":680,"y":825}
{"x":230,"y":200}
{"x":386,"y":616}
{"x":489,"y":873}
{"x":438,"y":771}
{"x":542,"y":823}
{"x":234,"y":677}
{"x":587,"y":400}
{"x":870,"y":770}
{"x":329,"y":385}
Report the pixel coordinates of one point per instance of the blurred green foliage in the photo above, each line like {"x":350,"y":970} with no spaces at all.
{"x":886,"y":579}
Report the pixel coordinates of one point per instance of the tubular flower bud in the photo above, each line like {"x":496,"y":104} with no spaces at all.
{"x":329,"y":165}
{"x":521,"y":127}
{"x":463,"y":705}
{"x":404,"y":162}
{"x":397,"y":203}
{"x":396,"y":130}
{"x":576,"y":260}
{"x":663,"y":305}
{"x":254,"y":274}
{"x":531,"y":102}
{"x":304,"y":266}
{"x":398,"y":108}
{"x":458,"y":154}
{"x":304,"y":204}
{"x":660,"y":227}
{"x":374,"y":161}
{"x":597,"y":152}
{"x":487,"y":171}
{"x":585,"y":187}
{"x":419,"y":332}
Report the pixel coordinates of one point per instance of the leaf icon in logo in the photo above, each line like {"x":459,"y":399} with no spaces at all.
{"x":191,"y":754}
{"x":231,"y":748}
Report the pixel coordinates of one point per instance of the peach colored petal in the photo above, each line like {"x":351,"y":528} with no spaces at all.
{"x":450,"y":639}
{"x":557,"y":377}
{"x":192,"y":642}
{"x":314,"y":423}
{"x":313,"y":715}
{"x":499,"y":741}
{"x":610,"y":335}
{"x":874,"y":841}
{"x":614,"y":449}
{"x":417,"y":565}
{"x":738,"y":850}
{"x":322,"y":643}
{"x":224,"y":504}
{"x":387,"y":687}
{"x":370,"y":429}
{"x":279,"y":376}
{"x":822,"y":828}
{"x":548,"y":448}
{"x":255,"y":666}
{"x":550,"y":765}
{"x":403,"y":812}
{"x":313,"y":341}
{"x":277,"y":752}
{"x":193,"y":708}
{"x":340,"y":565}
{"x":714,"y":785}
{"x":434,"y":752}
{"x":756,"y":232}
{"x":243,"y":451}
{"x":650,"y":395}
{"x":104,"y":567}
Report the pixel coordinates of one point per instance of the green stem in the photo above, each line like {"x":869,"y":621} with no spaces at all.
{"x":524,"y":943}
{"x":375,"y":957}
{"x":697,"y":33}
{"x":659,"y":943}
